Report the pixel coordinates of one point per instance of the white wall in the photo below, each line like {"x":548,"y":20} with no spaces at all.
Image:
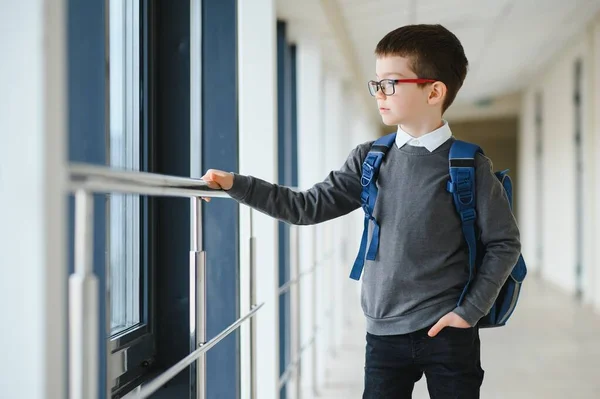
{"x":595,"y":147}
{"x":334,"y":158}
{"x":526,"y":201}
{"x":556,"y":83}
{"x":309,"y":172}
{"x":258,"y":157}
{"x":32,"y":200}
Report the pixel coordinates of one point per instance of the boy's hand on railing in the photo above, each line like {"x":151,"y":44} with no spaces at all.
{"x":217,"y":179}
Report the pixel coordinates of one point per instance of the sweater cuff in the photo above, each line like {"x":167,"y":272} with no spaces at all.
{"x":240,"y":188}
{"x":469,"y":312}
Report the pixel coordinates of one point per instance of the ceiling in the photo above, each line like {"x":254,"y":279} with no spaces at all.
{"x":507,"y":42}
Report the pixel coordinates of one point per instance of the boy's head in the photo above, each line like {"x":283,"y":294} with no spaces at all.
{"x":428,"y":52}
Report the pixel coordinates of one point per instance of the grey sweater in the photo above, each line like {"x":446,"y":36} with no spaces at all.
{"x":422,"y":262}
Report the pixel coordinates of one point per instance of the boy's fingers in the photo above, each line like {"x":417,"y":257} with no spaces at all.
{"x":208,"y":178}
{"x":212,"y":184}
{"x":437,"y":328}
{"x":212,"y":178}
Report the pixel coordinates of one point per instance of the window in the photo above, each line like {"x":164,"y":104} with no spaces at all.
{"x":124,"y":150}
{"x":131,"y":338}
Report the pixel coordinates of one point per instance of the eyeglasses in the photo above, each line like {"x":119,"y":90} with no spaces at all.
{"x":388,"y":86}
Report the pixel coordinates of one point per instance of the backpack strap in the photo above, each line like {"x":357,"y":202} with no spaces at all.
{"x":368,"y":196}
{"x":462,"y":187}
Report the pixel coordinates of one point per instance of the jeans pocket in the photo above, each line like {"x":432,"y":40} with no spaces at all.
{"x":459,"y":328}
{"x":458,"y":334}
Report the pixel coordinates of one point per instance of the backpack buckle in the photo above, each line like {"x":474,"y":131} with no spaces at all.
{"x":463,"y":185}
{"x":465,"y":198}
{"x":468,"y":215}
{"x":367,"y":174}
{"x":366,"y":209}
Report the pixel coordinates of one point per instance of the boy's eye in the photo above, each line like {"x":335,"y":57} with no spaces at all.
{"x":388,"y":84}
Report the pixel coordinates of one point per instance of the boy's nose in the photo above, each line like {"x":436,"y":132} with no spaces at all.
{"x":379,"y":94}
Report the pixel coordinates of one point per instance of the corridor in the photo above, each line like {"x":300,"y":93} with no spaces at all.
{"x":548,"y":350}
{"x":118,"y":281}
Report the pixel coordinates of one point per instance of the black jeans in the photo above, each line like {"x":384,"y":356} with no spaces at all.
{"x":450,"y":361}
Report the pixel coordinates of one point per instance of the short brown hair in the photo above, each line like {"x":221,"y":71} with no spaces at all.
{"x":435,"y":53}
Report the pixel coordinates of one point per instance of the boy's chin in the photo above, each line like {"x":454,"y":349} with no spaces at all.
{"x":388,"y":121}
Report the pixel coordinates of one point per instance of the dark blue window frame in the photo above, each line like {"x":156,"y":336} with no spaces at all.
{"x":220,"y":218}
{"x":87,"y":125}
{"x":166,"y":103}
{"x":87,"y":132}
{"x":287,"y":161}
{"x":169,"y":108}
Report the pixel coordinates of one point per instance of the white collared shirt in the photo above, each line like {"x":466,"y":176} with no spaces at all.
{"x":431,"y":140}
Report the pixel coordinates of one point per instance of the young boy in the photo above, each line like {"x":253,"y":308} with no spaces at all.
{"x":410,"y":292}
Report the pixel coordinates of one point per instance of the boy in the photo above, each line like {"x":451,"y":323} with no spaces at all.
{"x":410,"y":292}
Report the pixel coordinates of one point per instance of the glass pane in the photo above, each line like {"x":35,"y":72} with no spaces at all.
{"x":124,"y":144}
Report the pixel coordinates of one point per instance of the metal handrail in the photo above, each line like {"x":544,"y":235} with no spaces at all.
{"x":103,"y":179}
{"x":87,"y":179}
{"x":154,"y":385}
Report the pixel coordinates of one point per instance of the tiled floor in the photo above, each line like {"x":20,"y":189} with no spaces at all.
{"x":549,"y":350}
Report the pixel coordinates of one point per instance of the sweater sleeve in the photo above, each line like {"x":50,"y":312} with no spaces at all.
{"x":500,"y":236}
{"x":337,"y":195}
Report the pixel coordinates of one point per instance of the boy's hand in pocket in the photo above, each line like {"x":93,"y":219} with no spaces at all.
{"x":449,"y":320}
{"x":218,"y":179}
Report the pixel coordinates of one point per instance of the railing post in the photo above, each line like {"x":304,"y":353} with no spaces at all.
{"x":314,"y":341}
{"x":197,"y":298}
{"x":83,"y":306}
{"x":253,"y":351}
{"x":296,"y":344}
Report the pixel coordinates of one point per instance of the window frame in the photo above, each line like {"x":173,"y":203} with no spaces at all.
{"x":132,"y":351}
{"x":128,"y":124}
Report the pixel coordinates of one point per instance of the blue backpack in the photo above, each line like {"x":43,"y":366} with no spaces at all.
{"x":462,"y":187}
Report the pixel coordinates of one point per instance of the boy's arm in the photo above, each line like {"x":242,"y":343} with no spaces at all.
{"x":337,"y":195}
{"x":500,"y":236}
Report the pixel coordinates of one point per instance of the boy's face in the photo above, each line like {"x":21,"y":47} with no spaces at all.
{"x":409,"y":103}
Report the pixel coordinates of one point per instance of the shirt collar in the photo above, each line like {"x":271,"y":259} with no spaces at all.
{"x":431,"y":140}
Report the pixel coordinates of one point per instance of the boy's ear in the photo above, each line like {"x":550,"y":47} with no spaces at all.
{"x":437,"y":93}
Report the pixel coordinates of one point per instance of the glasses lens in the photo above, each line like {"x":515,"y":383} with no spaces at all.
{"x":372,"y":87}
{"x":387,"y":86}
